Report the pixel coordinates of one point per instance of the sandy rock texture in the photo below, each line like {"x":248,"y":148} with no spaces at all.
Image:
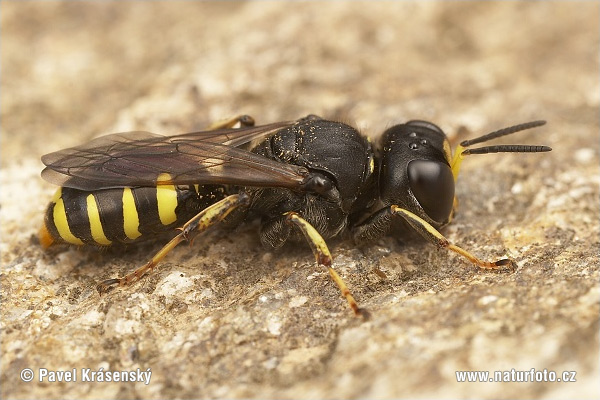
{"x":226,"y":319}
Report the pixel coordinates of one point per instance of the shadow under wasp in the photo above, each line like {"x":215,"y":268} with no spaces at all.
{"x":311,"y":178}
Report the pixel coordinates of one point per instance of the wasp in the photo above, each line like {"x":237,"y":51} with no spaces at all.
{"x":311,"y":179}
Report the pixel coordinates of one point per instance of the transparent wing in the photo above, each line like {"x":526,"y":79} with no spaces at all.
{"x":147,"y":159}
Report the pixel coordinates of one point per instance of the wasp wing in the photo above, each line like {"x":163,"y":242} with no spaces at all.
{"x":147,"y":159}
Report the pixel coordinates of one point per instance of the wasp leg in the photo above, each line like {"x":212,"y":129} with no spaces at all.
{"x":379,"y":224}
{"x":322,"y":255}
{"x":432,"y":235}
{"x":199,"y":223}
{"x":244,"y":121}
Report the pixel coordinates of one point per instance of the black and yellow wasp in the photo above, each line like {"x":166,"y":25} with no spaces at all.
{"x":310,"y":178}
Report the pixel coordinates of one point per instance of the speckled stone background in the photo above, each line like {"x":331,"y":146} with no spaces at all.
{"x":225,"y":319}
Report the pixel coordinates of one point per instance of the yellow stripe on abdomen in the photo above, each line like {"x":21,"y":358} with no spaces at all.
{"x":95,"y":223}
{"x":166,"y":197}
{"x":57,"y":195}
{"x":59,"y":215}
{"x":131,"y":219}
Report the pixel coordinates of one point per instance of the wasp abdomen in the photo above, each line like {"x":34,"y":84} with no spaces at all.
{"x":121,"y":215}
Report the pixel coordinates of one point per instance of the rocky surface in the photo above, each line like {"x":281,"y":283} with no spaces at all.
{"x":226,"y":319}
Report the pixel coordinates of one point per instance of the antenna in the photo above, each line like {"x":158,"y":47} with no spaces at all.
{"x":462,"y":150}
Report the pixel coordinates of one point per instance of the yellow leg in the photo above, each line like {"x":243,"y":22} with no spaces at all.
{"x":202,"y":221}
{"x":244,"y":120}
{"x":431,"y":234}
{"x":322,"y":255}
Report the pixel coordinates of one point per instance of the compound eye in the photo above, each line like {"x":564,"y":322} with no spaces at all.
{"x":432,"y":184}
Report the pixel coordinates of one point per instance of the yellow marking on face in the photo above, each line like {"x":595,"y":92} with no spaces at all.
{"x":371,"y":165}
{"x":59,"y":215}
{"x":456,"y":161}
{"x":447,"y":150}
{"x":166,"y":197}
{"x":131,"y":220}
{"x":95,"y":223}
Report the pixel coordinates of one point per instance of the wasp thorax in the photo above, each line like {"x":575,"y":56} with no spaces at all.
{"x":320,"y":184}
